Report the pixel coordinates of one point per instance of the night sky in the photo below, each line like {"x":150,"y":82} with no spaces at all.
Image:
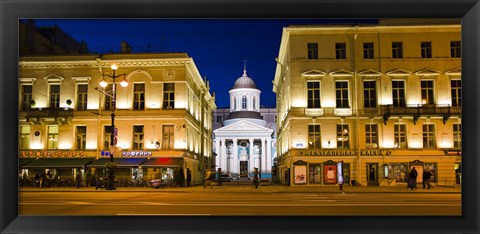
{"x":218,"y":47}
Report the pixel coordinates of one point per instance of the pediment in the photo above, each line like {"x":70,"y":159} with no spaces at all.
{"x":399,"y":72}
{"x":243,"y":126}
{"x":427,"y":72}
{"x":341,"y":73}
{"x":53,"y":79}
{"x":370,"y":73}
{"x":454,"y":72}
{"x":313,"y":74}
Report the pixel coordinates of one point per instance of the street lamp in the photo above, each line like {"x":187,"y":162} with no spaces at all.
{"x":103,"y":83}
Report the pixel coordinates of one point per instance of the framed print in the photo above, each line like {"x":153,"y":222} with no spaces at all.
{"x":307,"y":144}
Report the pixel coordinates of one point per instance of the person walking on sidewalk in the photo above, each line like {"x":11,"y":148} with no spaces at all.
{"x":426,"y":178}
{"x":208,"y":179}
{"x":79,"y":179}
{"x":256,"y":181}
{"x":413,"y":179}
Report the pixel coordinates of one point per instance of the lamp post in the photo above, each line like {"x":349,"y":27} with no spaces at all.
{"x":103,"y":83}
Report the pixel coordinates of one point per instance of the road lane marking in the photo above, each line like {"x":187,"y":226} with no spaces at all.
{"x":164,"y":214}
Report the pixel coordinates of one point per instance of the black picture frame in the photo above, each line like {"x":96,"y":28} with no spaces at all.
{"x":11,"y":11}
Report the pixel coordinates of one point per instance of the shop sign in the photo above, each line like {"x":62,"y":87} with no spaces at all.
{"x":137,"y":153}
{"x":363,"y":152}
{"x":52,"y":153}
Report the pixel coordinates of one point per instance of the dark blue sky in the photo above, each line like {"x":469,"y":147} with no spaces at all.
{"x":217,"y":46}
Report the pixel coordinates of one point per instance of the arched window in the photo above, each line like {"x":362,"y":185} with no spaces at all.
{"x":254,"y":103}
{"x":244,"y":102}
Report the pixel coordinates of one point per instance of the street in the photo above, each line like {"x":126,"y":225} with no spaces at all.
{"x":238,"y":201}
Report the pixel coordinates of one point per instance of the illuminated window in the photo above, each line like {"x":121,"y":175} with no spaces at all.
{"x":400,"y":136}
{"x":139,"y":96}
{"x":312,"y":50}
{"x":52,"y":142}
{"x":397,"y":50}
{"x":55,"y":96}
{"x":167,"y":137}
{"x":456,"y":86}
{"x":371,"y":136}
{"x":457,"y":135}
{"x":108,"y":100}
{"x":313,"y":89}
{"x":428,"y":136}
{"x":314,"y":137}
{"x":427,"y":92}
{"x":81,"y":137}
{"x":82,"y":95}
{"x":24,"y":142}
{"x":137,"y":137}
{"x":168,"y":95}
{"x":343,"y":139}
{"x":26,"y":97}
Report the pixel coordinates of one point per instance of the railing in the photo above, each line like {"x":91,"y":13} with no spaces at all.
{"x":51,"y":112}
{"x":417,"y":110}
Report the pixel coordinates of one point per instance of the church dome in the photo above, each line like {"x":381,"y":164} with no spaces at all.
{"x":244,"y":82}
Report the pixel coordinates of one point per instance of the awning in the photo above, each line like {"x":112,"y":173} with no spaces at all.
{"x":163,"y":162}
{"x":58,"y":162}
{"x":24,"y":161}
{"x":121,"y":162}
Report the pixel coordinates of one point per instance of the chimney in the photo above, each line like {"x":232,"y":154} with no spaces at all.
{"x":126,"y":48}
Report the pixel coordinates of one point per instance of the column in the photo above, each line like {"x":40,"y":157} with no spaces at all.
{"x":236,"y":165}
{"x":218,"y":150}
{"x":269,"y":155}
{"x":251,"y":160}
{"x":224,"y":155}
{"x":263,"y":157}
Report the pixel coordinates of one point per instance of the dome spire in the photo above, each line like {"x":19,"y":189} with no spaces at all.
{"x":245,"y":66}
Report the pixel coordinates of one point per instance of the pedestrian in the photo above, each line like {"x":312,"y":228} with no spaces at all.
{"x":100,"y":184}
{"x":413,"y":178}
{"x":48,"y":179}
{"x":208,"y":179}
{"x":42,"y":179}
{"x":426,"y":178}
{"x":79,"y":179}
{"x":37,"y":180}
{"x":256,"y":180}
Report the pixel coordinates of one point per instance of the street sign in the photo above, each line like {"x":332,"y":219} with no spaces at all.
{"x":115,"y":131}
{"x":115,"y":140}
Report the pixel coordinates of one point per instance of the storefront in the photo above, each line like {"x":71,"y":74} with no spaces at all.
{"x":65,"y":168}
{"x":127,"y":170}
{"x":167,"y":168}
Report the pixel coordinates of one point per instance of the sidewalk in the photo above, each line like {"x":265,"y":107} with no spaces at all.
{"x":226,"y":188}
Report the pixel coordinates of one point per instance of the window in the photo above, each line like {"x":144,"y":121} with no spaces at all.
{"x":52,"y":142}
{"x":456,"y":92}
{"x":26,"y":97}
{"x":312,"y":50}
{"x":397,"y":50}
{"x":167,"y":137}
{"x":169,"y":95}
{"x":369,"y":94}
{"x":314,"y":137}
{"x":427,"y":92}
{"x":340,"y":51}
{"x":219,"y":119}
{"x":24,"y":143}
{"x":371,"y":136}
{"x":457,"y":135}
{"x":398,"y":93}
{"x":368,"y":50}
{"x":254,"y":103}
{"x":343,"y":140}
{"x":109,"y":104}
{"x":107,"y":136}
{"x":139,"y":96}
{"x":244,"y":102}
{"x":426,"y":49}
{"x":234,"y":103}
{"x":313,"y":89}
{"x":82,"y":94}
{"x":400,"y":136}
{"x":455,"y":49}
{"x":81,"y":137}
{"x":137,"y":137}
{"x":429,"y":136}
{"x":55,"y":96}
{"x":342,"y":94}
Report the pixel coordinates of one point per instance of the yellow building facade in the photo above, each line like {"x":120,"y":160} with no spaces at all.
{"x":163,"y":118}
{"x":371,"y":102}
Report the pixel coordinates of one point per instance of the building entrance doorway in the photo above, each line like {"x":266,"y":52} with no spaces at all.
{"x":243,"y":168}
{"x":372,"y":174}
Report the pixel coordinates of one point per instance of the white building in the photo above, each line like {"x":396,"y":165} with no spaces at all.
{"x":244,"y":134}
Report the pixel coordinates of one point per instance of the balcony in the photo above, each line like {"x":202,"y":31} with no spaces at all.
{"x":446,"y":111}
{"x":43,"y":116}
